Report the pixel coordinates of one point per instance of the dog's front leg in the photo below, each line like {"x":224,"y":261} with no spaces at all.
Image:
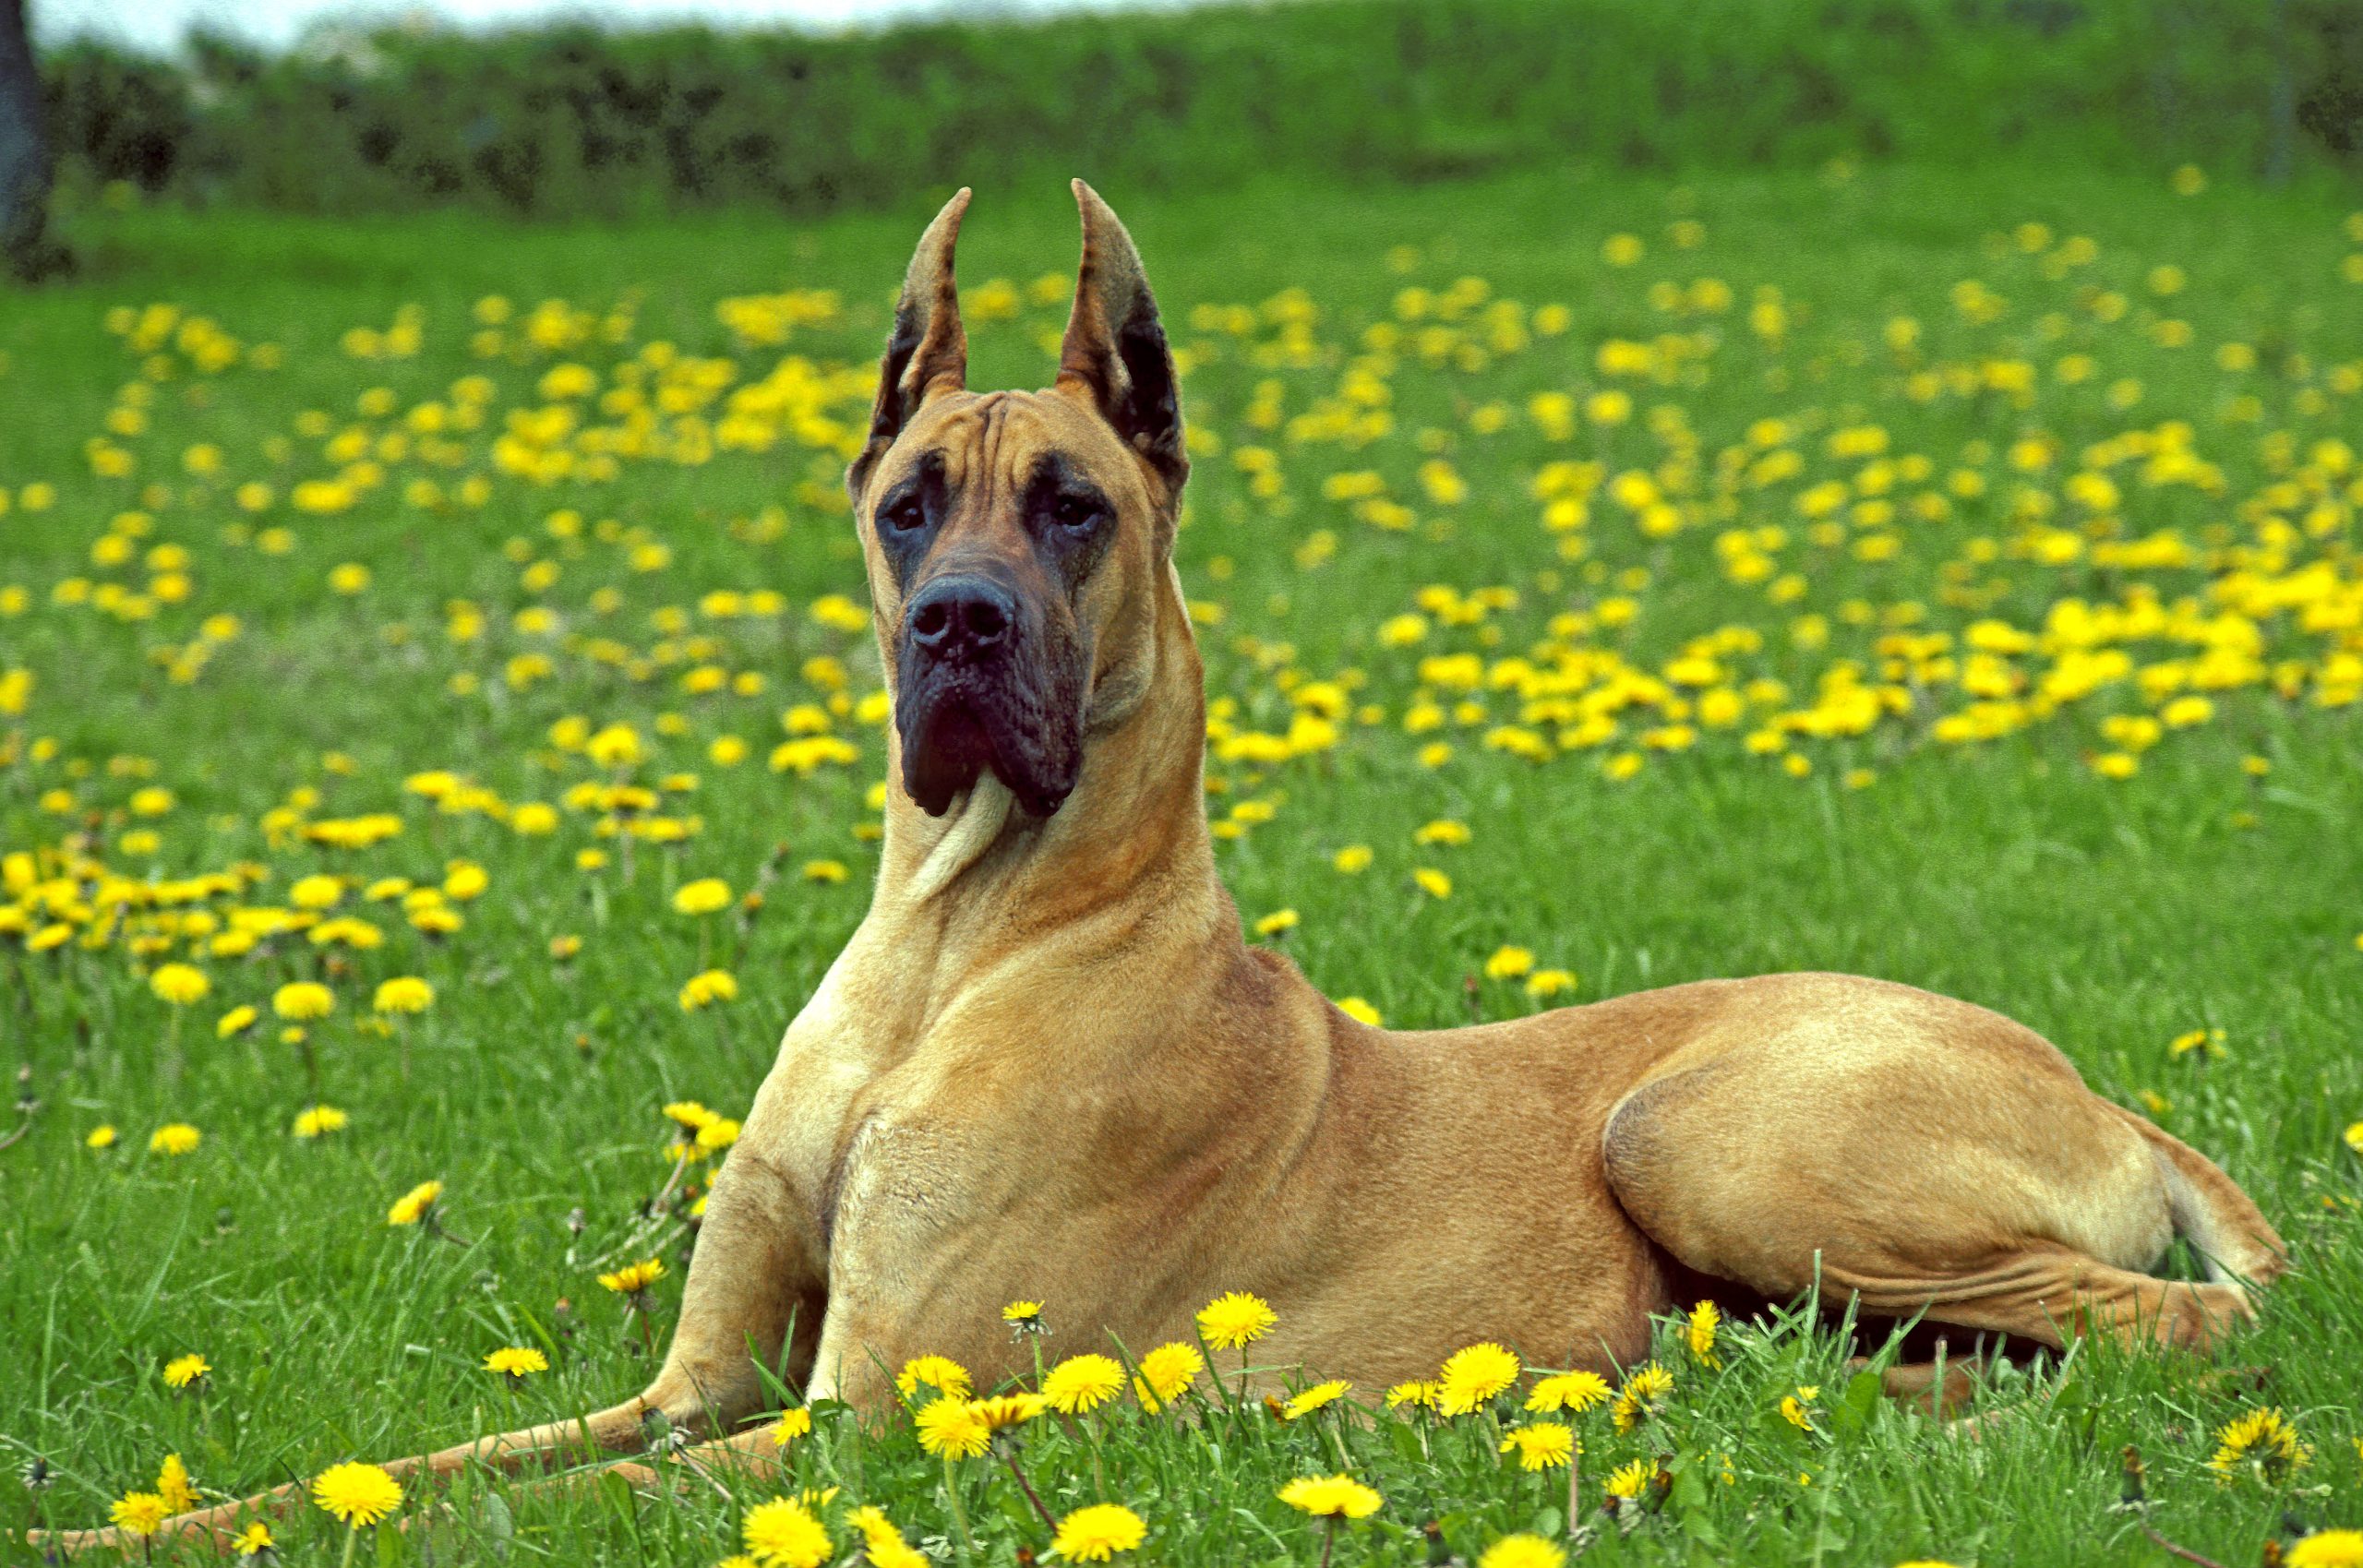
{"x":756,"y":1294}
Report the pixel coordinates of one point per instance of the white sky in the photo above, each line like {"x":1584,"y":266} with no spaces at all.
{"x":158,"y":25}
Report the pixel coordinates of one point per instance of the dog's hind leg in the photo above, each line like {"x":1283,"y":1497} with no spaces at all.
{"x":1927,"y":1158}
{"x":2048,"y":1294}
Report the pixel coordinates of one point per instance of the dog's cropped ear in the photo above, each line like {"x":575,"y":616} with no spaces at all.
{"x":928,"y":353}
{"x":1115,"y":349}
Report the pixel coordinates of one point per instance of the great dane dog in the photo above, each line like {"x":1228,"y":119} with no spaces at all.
{"x":1048,"y":1065}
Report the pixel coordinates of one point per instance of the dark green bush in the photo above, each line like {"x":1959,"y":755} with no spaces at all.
{"x":573,"y":121}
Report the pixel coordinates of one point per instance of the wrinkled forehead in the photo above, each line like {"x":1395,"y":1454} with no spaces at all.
{"x":1004,"y":443}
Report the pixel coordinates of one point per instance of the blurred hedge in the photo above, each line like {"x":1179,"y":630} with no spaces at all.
{"x":575,"y":121}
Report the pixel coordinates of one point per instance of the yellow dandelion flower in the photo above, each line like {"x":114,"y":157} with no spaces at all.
{"x":1083,"y":1382}
{"x":1522,"y":1551}
{"x":173,"y":1485}
{"x":1629,"y":1480}
{"x":179,"y":984}
{"x":2327,"y":1548}
{"x":783,"y":1533}
{"x":1024,"y":1316}
{"x":183,"y":1370}
{"x":1280,"y":920}
{"x":938,"y":1373}
{"x":1419,"y":1395}
{"x":704,"y":989}
{"x":300,"y":1002}
{"x":1096,"y":1533}
{"x":357,"y":1495}
{"x":1331,"y":1497}
{"x":412,"y":1205}
{"x":254,"y":1541}
{"x":319,"y":1120}
{"x":701,"y":897}
{"x":1509,"y":963}
{"x":1540,"y":1445}
{"x":1645,"y":1389}
{"x":405,"y":993}
{"x":1433,"y":882}
{"x":517,"y":1361}
{"x":1574,"y":1392}
{"x":103,"y":1136}
{"x":2263,"y":1442}
{"x":236,"y":1021}
{"x":791,"y":1425}
{"x":882,"y":1542}
{"x":1473,"y":1376}
{"x":1008,"y":1409}
{"x":1314,"y":1398}
{"x":633,"y":1278}
{"x":952,"y":1429}
{"x":1236,"y":1318}
{"x":139,"y":1513}
{"x":173,"y":1138}
{"x":1796,"y":1412}
{"x":1165,"y":1372}
{"x":1699,"y":1333}
{"x":2207,"y":1042}
{"x":318,"y":891}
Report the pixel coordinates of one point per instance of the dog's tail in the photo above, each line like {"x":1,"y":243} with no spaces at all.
{"x":2234,"y":1240}
{"x":619,"y":1428}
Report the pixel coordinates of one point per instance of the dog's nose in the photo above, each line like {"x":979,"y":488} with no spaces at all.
{"x":962,"y":617}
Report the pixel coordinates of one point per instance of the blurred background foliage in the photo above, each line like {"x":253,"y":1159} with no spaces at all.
{"x":576,"y":122}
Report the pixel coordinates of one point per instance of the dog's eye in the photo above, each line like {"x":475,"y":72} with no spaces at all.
{"x":1074,"y":512}
{"x":906,"y":514}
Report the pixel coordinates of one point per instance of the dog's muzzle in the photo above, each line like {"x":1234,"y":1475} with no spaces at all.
{"x":979,"y":690}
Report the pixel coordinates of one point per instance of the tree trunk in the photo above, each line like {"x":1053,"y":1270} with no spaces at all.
{"x":25,"y":247}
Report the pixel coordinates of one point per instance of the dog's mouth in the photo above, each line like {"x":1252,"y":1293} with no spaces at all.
{"x":954,"y":725}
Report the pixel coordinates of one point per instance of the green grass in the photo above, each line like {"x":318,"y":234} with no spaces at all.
{"x":2112,"y":915}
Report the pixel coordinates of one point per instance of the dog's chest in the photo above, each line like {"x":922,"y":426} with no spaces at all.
{"x":845,"y":1112}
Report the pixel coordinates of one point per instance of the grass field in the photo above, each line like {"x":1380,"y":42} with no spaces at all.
{"x":1951,"y":577}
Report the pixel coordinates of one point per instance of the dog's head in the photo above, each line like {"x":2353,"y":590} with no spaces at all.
{"x":1013,"y":539}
